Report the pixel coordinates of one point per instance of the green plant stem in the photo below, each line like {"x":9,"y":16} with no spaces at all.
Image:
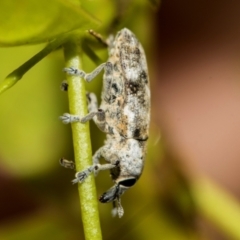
{"x":217,"y":206}
{"x":18,"y":73}
{"x":82,"y":144}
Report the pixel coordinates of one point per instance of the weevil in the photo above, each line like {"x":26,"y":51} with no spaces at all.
{"x":124,"y":115}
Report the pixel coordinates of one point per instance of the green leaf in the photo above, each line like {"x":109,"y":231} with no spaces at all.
{"x":33,"y":21}
{"x":18,"y":73}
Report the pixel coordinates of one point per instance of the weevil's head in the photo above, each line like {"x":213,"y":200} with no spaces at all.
{"x":129,"y":162}
{"x":115,"y":192}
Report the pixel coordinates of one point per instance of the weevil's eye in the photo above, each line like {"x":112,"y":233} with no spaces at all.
{"x":128,"y":182}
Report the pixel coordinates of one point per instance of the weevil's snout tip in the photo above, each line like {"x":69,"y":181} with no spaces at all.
{"x":103,"y":198}
{"x":110,"y":195}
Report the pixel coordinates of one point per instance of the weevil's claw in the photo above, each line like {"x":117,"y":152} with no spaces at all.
{"x":68,"y":118}
{"x":64,"y":86}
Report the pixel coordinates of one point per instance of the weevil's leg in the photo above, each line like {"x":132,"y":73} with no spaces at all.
{"x":64,"y":85}
{"x":96,"y":167}
{"x":89,"y":116}
{"x":101,"y":152}
{"x":81,"y":176}
{"x":114,"y":209}
{"x":67,"y":163}
{"x":92,"y":105}
{"x":99,"y":118}
{"x":92,"y":102}
{"x":98,"y":37}
{"x":92,"y":108}
{"x":87,"y":76}
{"x":117,"y":208}
{"x":68,"y":118}
{"x":110,"y":41}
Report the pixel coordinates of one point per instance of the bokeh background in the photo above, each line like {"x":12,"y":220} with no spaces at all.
{"x":193,"y":55}
{"x":198,"y":85}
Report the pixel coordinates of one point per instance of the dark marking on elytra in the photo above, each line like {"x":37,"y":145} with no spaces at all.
{"x":110,"y":130}
{"x":112,"y":98}
{"x":124,"y":66}
{"x":133,"y":87}
{"x":108,"y":68}
{"x":115,"y":67}
{"x":119,"y":103}
{"x":136,"y":51}
{"x":115,"y":172}
{"x":136,"y":133}
{"x":101,"y":115}
{"x":115,"y":87}
{"x":143,"y":76}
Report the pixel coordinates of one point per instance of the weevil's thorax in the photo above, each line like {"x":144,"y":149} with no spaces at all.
{"x":126,"y":94}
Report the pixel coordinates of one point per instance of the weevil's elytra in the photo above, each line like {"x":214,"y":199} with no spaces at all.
{"x":128,"y":55}
{"x":124,"y":115}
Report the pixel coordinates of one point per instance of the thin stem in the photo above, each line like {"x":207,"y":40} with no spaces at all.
{"x":82,"y":144}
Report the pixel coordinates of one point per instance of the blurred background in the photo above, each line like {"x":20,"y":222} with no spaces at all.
{"x":190,"y":186}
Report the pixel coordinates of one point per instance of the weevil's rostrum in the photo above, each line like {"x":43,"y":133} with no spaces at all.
{"x":124,"y":115}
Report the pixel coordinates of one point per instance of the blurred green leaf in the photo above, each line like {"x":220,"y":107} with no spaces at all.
{"x":35,"y":104}
{"x":32,"y":21}
{"x":49,"y":224}
{"x":221,"y":208}
{"x":18,"y":73}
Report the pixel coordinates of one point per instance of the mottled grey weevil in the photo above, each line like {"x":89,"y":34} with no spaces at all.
{"x":124,"y":115}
